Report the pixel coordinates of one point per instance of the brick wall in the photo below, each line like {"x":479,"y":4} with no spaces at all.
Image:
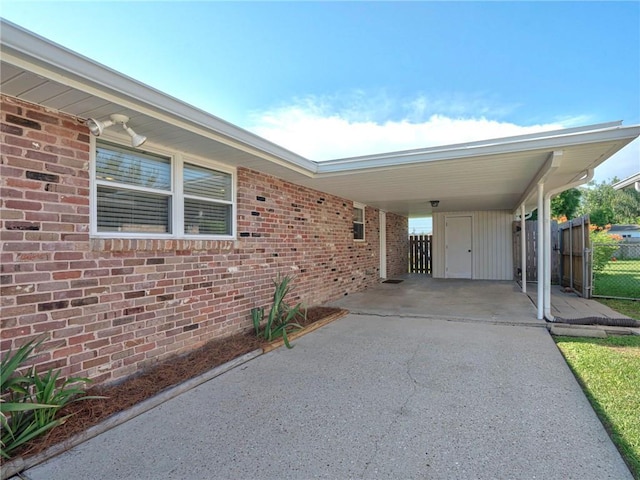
{"x":110,"y":307}
{"x":397,"y":245}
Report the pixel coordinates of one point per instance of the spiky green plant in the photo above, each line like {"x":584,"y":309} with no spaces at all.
{"x":30,"y":402}
{"x":281,"y":315}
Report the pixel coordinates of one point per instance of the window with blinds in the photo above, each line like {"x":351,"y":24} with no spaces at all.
{"x":207,"y":201}
{"x":135,"y":194}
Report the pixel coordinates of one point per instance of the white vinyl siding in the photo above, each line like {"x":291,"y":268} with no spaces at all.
{"x":491,"y":244}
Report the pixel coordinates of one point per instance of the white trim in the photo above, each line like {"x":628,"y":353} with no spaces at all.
{"x":544,"y":141}
{"x":627,"y":182}
{"x":361,"y":206}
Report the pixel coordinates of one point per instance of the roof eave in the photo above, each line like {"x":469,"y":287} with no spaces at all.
{"x":589,"y":134}
{"x":31,"y":51}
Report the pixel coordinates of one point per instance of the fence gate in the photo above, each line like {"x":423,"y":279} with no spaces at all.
{"x":531,"y":239}
{"x":420,"y":254}
{"x":575,"y":255}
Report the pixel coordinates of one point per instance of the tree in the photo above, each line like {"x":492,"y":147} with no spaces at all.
{"x":607,"y":206}
{"x":566,"y":204}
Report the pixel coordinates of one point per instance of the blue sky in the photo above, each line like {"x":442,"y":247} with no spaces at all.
{"x":337,"y":79}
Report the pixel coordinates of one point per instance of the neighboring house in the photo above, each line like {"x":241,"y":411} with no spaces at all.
{"x":632,"y":182}
{"x":629,"y":233}
{"x":124,"y":255}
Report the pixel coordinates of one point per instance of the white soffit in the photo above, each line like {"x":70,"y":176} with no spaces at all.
{"x":490,"y":174}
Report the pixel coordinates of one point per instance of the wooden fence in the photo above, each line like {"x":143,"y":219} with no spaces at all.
{"x":420,"y":254}
{"x":575,"y":269}
{"x":569,"y":253}
{"x":531,"y":237}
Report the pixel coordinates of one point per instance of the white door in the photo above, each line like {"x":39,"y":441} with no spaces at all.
{"x":383,"y":244}
{"x":458,"y":255}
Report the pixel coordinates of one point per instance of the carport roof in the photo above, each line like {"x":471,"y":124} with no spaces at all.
{"x":494,"y":174}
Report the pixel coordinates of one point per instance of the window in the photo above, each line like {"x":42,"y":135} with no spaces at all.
{"x":358,"y":221}
{"x":147,"y":194}
{"x":207,"y":201}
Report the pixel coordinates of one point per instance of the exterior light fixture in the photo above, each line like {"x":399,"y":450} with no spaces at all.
{"x":96,"y":127}
{"x":434,"y":203}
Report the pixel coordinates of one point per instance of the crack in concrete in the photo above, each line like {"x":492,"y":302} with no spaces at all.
{"x":401,"y":410}
{"x":445,"y":318}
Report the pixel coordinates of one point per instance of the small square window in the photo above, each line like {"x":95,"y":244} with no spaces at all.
{"x":358,"y":222}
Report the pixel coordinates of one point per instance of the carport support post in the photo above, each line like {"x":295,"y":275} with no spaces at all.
{"x":540,"y":246}
{"x":523,"y":248}
{"x":547,"y":257}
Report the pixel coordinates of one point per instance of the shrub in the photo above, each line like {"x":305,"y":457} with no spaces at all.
{"x":30,"y":401}
{"x":603,"y":245}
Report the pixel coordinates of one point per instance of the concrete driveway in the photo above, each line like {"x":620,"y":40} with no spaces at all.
{"x":384,"y":396}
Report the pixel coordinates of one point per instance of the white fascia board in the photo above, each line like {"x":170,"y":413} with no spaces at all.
{"x":543,"y":141}
{"x":627,"y":181}
{"x":50,"y":60}
{"x":478,"y":143}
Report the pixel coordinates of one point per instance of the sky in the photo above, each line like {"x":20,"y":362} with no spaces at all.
{"x":339,"y":79}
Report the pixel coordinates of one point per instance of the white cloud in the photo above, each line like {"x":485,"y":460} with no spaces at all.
{"x":314,"y":129}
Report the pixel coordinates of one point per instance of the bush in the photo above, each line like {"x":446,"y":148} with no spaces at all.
{"x":603,"y":246}
{"x":30,"y":402}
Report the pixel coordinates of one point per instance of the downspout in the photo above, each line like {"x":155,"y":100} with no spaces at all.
{"x":586,"y":177}
{"x":541,"y":250}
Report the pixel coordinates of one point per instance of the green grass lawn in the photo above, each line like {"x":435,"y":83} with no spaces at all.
{"x":618,"y":279}
{"x":630,"y":308}
{"x":609,"y":371}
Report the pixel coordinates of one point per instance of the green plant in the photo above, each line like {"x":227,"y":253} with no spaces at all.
{"x":604,"y":246}
{"x":281,"y":315}
{"x":30,"y":401}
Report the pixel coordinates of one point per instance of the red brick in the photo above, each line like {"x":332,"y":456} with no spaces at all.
{"x":15,"y":332}
{"x":35,"y":298}
{"x":23,"y":205}
{"x":67,"y":351}
{"x":95,"y":362}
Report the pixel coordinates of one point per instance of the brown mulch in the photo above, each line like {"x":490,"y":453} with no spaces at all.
{"x":121,"y":396}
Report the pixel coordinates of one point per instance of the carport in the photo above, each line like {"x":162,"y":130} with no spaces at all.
{"x":473,"y":190}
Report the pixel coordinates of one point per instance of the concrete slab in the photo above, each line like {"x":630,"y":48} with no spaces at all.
{"x":422,"y":296}
{"x":570,"y":305}
{"x":578,"y":331}
{"x":369,"y":397}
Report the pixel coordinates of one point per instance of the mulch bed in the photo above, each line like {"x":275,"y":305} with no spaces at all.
{"x":121,"y":396}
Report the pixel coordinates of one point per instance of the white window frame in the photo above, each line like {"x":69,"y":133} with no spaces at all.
{"x":362,"y":207}
{"x":178,"y":159}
